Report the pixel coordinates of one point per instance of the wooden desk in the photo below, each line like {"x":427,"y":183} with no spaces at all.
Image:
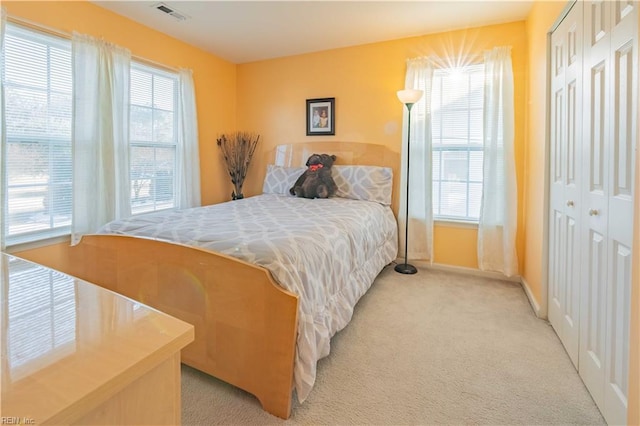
{"x":73,"y":352}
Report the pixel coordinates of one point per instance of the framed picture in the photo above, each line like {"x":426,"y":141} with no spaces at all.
{"x":321,"y":117}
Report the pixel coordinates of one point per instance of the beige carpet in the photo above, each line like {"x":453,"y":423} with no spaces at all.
{"x":430,"y":348}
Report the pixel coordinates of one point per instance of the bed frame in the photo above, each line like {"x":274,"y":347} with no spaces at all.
{"x":245,"y":323}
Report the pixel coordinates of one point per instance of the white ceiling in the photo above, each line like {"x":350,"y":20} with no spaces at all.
{"x":246,"y":31}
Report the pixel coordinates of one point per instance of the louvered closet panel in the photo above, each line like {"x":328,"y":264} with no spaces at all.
{"x":593,"y":128}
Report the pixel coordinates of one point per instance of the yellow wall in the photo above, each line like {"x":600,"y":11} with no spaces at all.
{"x":364,"y":80}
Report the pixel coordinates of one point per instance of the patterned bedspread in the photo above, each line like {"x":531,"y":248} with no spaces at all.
{"x":327,"y":251}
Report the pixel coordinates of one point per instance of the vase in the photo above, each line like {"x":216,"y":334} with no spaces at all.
{"x":237,"y":192}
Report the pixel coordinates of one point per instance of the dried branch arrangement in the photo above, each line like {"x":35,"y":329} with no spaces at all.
{"x":237,"y":151}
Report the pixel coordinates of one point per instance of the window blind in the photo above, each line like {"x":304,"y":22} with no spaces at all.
{"x":457,"y":137}
{"x":153,"y":136}
{"x":38,"y":109}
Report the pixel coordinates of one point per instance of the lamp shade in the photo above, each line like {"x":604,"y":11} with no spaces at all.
{"x":409,"y":96}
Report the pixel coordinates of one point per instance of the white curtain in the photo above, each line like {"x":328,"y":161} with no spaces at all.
{"x":498,"y":214}
{"x":188,"y":167}
{"x":3,"y":26}
{"x":420,"y":231}
{"x":101,"y":185}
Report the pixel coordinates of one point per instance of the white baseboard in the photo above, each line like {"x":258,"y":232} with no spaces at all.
{"x":537,"y":309}
{"x":466,"y":270}
{"x":532,"y":300}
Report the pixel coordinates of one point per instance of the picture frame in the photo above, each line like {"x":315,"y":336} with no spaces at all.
{"x":321,"y":117}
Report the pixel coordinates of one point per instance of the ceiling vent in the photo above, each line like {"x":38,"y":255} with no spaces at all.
{"x":178,"y":16}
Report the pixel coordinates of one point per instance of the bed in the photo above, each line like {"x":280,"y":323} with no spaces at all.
{"x":266,"y":280}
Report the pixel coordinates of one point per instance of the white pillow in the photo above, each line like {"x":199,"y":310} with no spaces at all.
{"x":370,"y":183}
{"x":280,"y":179}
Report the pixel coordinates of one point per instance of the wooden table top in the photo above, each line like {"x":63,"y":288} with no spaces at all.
{"x":69,"y":345}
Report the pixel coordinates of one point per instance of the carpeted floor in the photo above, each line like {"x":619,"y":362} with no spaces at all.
{"x":431,"y":348}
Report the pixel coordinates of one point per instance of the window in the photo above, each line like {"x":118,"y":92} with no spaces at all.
{"x":38,"y":108}
{"x":153,"y":138}
{"x":38,"y":117}
{"x":457,"y":138}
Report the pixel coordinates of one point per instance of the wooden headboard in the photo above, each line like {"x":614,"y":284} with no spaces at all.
{"x":347,"y":153}
{"x":293,"y":155}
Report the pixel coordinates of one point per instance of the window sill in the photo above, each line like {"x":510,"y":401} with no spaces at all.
{"x":30,"y":245}
{"x":451,"y":223}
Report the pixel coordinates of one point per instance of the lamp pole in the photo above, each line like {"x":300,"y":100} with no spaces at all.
{"x":409,"y":98}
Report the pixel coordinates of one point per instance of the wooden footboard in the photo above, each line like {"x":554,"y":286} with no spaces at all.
{"x":245,"y":324}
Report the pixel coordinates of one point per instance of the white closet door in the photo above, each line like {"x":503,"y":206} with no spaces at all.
{"x":592,"y":142}
{"x":566,"y":131}
{"x":610,"y":94}
{"x":622,"y":140}
{"x":594,"y":218}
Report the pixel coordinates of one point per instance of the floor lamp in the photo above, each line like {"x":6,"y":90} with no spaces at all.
{"x":407,"y":97}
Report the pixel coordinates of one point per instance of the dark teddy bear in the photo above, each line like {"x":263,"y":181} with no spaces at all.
{"x":316,"y":181}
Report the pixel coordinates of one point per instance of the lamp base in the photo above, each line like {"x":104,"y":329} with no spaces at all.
{"x":405,"y":268}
